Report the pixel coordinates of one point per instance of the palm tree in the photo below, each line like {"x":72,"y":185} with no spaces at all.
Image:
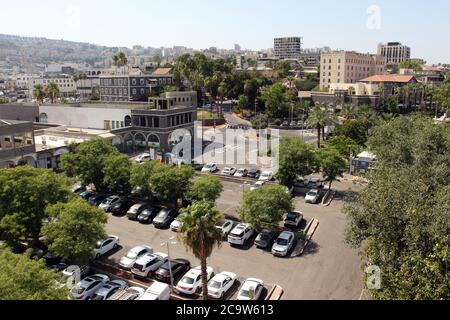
{"x":52,"y":91}
{"x":120,"y":60}
{"x":319,"y":118}
{"x":200,"y":235}
{"x":348,"y":111}
{"x":38,"y":92}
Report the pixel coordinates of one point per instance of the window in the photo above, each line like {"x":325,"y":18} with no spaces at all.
{"x":133,"y":82}
{"x":142,"y":91}
{"x":134,"y":91}
{"x":142,"y":82}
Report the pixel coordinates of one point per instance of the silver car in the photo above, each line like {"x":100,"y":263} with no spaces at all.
{"x":86,"y":288}
{"x":109,"y":288}
{"x":107,"y":204}
{"x":283,"y":244}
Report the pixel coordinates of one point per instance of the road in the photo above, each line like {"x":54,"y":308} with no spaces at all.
{"x":329,"y":269}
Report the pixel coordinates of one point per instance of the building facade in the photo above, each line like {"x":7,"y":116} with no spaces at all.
{"x":349,"y":67}
{"x":65,"y":84}
{"x":16,"y":144}
{"x":394,"y":52}
{"x":288,"y":48}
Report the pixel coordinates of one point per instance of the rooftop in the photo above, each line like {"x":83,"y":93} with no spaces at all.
{"x":11,"y":122}
{"x":162,"y":71}
{"x":394,"y":78}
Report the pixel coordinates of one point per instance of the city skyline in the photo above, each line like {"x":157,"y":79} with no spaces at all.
{"x":358,"y":26}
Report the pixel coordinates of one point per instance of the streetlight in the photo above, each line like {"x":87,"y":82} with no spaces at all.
{"x":170,"y":241}
{"x":243,"y":186}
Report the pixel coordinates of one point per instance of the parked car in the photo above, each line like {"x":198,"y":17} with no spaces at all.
{"x":149,"y":263}
{"x":157,"y":291}
{"x":164,"y":218}
{"x":220,"y":284}
{"x":176,"y":224}
{"x":225,"y":226}
{"x":242,"y":173}
{"x":131,"y":293}
{"x":293,"y":219}
{"x":251,"y":289}
{"x":240,"y":234}
{"x":96,"y":199}
{"x":285,"y":124}
{"x":257,"y":185}
{"x":86,"y":288}
{"x":121,"y":207}
{"x":265,"y":239}
{"x":87,"y":194}
{"x":191,"y":282}
{"x":283,"y":244}
{"x":143,"y":157}
{"x":289,"y":190}
{"x":313,"y":196}
{"x":147,"y":215}
{"x":228,"y":171}
{"x":127,"y":261}
{"x":108,"y":203}
{"x":109,"y":288}
{"x":314,"y":183}
{"x":78,"y":272}
{"x":210,"y":168}
{"x":254,"y":173}
{"x":106,"y":245}
{"x":293,"y":123}
{"x":78,"y":189}
{"x":266,"y":176}
{"x":197,"y":166}
{"x":136,"y":210}
{"x":178,"y":266}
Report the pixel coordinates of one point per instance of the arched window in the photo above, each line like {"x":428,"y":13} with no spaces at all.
{"x":127,"y":121}
{"x":43,"y":118}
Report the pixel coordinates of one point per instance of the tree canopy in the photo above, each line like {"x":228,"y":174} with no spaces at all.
{"x":206,"y":188}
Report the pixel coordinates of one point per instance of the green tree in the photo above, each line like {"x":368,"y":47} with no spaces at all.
{"x":171,"y":183}
{"x":345,"y":146}
{"x":52,"y":91}
{"x":25,"y":192}
{"x":140,"y":177}
{"x":332,"y":164}
{"x":87,"y":162}
{"x":296,"y":158}
{"x":319,"y":117}
{"x":243,"y":102}
{"x":39,"y":92}
{"x":120,"y":60}
{"x":355,"y":130}
{"x":402,"y":218}
{"x":348,"y":111}
{"x":22,"y":278}
{"x":200,"y":235}
{"x":265,"y":206}
{"x":117,"y":170}
{"x":275,"y":101}
{"x":282,"y":68}
{"x":74,"y":230}
{"x":409,"y":64}
{"x":207,"y":188}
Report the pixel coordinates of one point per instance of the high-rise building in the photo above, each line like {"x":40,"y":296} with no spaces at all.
{"x":237,"y":48}
{"x":349,"y":67}
{"x":394,"y":52}
{"x":288,"y":48}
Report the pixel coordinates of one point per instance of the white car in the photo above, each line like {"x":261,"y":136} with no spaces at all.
{"x":192,"y":280}
{"x":219,"y":285}
{"x":127,"y":261}
{"x":251,"y":289}
{"x":225,"y":227}
{"x":148,"y":264}
{"x":157,"y":291}
{"x":257,"y":185}
{"x":240,"y":234}
{"x":241,"y":173}
{"x":86,"y":288}
{"x":293,"y":219}
{"x":266,"y":176}
{"x":229,"y":171}
{"x":283,"y":244}
{"x":131,"y":293}
{"x":210,"y":168}
{"x":106,"y":245}
{"x":143,"y":157}
{"x":176,"y":224}
{"x":312,"y":196}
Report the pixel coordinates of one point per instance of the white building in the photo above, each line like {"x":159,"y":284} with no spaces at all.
{"x":65,"y":84}
{"x":394,"y":52}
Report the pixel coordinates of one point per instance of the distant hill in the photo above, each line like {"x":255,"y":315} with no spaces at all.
{"x":17,"y":50}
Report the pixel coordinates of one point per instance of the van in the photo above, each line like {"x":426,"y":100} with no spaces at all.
{"x":157,"y":291}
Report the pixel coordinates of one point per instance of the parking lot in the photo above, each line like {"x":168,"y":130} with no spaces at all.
{"x":328,"y":269}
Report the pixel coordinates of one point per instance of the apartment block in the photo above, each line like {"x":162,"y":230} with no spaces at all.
{"x":394,"y":52}
{"x":349,"y":67}
{"x":288,"y":48}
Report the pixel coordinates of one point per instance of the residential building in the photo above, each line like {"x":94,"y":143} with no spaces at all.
{"x":389,"y":82}
{"x":134,"y":86}
{"x":394,"y":52}
{"x":349,"y":67}
{"x":288,"y":48}
{"x":66,"y":84}
{"x":16,"y":143}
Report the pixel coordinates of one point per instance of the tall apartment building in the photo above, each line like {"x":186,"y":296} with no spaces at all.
{"x":288,"y":48}
{"x":349,"y":67}
{"x":394,"y":52}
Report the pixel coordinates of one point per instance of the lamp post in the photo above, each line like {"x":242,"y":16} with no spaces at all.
{"x":167,"y":243}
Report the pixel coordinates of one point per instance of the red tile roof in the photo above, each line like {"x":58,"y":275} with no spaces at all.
{"x":162,"y":71}
{"x":395,"y":78}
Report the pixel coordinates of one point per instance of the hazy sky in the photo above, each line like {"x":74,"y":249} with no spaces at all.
{"x":345,"y":24}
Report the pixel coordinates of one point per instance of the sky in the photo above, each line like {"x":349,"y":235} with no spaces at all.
{"x":345,"y":24}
